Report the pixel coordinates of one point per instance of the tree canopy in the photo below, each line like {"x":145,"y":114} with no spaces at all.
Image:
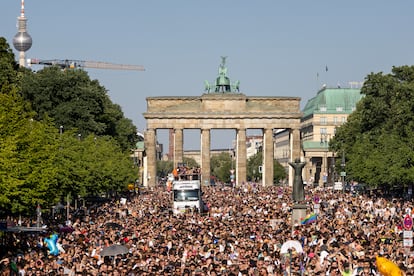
{"x":74,"y":101}
{"x":39,"y":164}
{"x":221,"y":165}
{"x":378,"y":138}
{"x":256,"y":161}
{"x":8,"y":68}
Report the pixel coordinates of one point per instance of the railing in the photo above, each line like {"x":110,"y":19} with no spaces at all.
{"x":188,"y":176}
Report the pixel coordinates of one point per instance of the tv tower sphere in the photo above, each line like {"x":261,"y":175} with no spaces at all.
{"x":22,"y":41}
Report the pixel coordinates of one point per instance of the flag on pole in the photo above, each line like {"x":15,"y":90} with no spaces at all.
{"x":309,"y":219}
{"x":326,"y":68}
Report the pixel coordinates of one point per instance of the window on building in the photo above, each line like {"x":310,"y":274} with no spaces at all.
{"x":339,"y":108}
{"x":335,"y":120}
{"x":322,"y":108}
{"x":323,"y":120}
{"x":343,"y":120}
{"x":323,"y":130}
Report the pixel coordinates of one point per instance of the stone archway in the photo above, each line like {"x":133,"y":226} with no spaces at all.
{"x":222,"y":111}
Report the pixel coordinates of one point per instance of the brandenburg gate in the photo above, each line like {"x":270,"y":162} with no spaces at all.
{"x":222,"y":106}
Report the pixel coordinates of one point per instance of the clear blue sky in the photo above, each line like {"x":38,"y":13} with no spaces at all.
{"x":275,"y":48}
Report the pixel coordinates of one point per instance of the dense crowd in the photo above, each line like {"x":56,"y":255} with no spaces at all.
{"x":182,"y":172}
{"x":241,"y":234}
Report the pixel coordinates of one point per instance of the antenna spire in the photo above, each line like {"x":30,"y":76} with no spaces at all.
{"x":22,"y":9}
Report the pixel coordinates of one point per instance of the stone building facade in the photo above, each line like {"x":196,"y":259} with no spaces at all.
{"x":322,"y":114}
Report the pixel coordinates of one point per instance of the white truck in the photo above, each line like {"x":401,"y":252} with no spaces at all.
{"x":187,"y":196}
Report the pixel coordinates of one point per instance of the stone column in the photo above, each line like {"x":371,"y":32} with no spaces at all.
{"x":241,"y":162}
{"x":150,"y":148}
{"x":295,"y":150}
{"x":178,"y":146}
{"x":205,"y":156}
{"x":268,"y":157}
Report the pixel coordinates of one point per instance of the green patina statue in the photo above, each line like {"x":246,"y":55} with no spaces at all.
{"x":222,"y":83}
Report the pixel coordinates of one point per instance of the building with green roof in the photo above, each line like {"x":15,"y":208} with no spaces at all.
{"x":322,"y":114}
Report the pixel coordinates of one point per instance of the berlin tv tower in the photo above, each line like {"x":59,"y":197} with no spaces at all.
{"x":22,"y":41}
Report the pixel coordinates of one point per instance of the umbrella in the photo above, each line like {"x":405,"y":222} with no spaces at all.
{"x":291,"y":244}
{"x":114,"y":250}
{"x":113,"y":225}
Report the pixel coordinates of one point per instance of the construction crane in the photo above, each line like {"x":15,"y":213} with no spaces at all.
{"x":69,"y":63}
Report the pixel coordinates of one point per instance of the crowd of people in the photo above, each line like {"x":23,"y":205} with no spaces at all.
{"x":183,"y":172}
{"x":241,"y":234}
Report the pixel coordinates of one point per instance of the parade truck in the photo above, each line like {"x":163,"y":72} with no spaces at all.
{"x":187,"y":196}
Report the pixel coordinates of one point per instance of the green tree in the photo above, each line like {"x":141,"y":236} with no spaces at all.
{"x":27,"y":157}
{"x":164,"y":168}
{"x":253,"y":164}
{"x":38,"y":164}
{"x":220,"y":166}
{"x":8,"y":68}
{"x":256,"y":161}
{"x":73,"y":100}
{"x":117,"y":126}
{"x":116,"y":167}
{"x":190,"y":162}
{"x":279,"y":172}
{"x":27,"y":146}
{"x":378,"y":138}
{"x":92,"y":165}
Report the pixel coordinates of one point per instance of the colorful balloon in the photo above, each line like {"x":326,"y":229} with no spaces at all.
{"x":387,"y":267}
{"x":52,"y":244}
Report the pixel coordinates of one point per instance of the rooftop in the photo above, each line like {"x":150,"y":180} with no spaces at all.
{"x":333,"y":101}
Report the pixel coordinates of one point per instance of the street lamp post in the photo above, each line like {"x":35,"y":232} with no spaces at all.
{"x":39,"y":215}
{"x":231,"y":152}
{"x":67,"y":210}
{"x":343,"y":173}
{"x":333,"y":169}
{"x":325,"y":137}
{"x":232,"y":178}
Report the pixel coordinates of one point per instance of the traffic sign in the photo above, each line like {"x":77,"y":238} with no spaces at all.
{"x":316,"y":208}
{"x":407,"y":234}
{"x":408,"y":222}
{"x":408,"y":243}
